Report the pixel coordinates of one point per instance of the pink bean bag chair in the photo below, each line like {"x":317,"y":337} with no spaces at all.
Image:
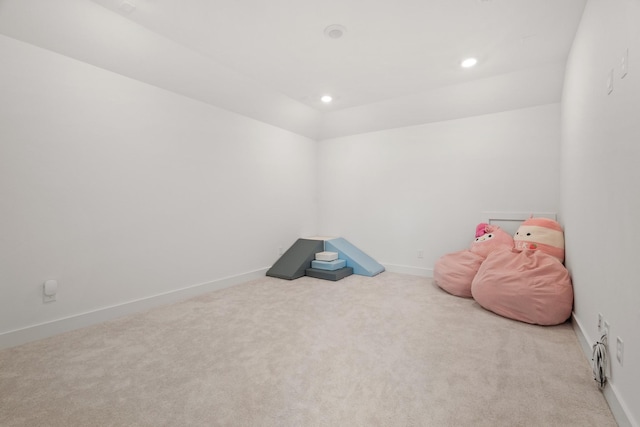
{"x":454,"y":272}
{"x":528,"y":283}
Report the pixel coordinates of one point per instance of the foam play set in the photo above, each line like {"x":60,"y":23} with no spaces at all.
{"x":329,"y":259}
{"x":525,"y":281}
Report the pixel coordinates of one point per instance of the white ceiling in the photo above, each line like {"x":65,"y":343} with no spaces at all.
{"x":397,"y":64}
{"x":391,"y":48}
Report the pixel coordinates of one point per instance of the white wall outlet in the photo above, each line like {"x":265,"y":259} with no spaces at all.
{"x":624,"y":64}
{"x":619,"y":350}
{"x":605,"y":330}
{"x":610,"y":82}
{"x":420,"y":254}
{"x":49,"y":291}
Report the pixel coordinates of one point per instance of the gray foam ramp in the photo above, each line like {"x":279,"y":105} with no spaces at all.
{"x":329,"y":275}
{"x":296,"y":259}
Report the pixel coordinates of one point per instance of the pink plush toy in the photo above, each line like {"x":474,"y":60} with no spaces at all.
{"x":541,"y":234}
{"x":481,"y":229}
{"x":493,"y":238}
{"x":454,"y":272}
{"x":528,"y":283}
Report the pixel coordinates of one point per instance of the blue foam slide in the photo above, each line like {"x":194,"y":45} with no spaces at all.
{"x":361,"y":263}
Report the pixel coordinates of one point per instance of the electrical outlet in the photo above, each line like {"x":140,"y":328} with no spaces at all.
{"x":599,"y":322}
{"x":49,"y":290}
{"x":619,"y":350}
{"x":420,"y":254}
{"x":605,"y":331}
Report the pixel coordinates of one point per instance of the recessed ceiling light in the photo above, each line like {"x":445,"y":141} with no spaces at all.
{"x":326,"y":99}
{"x":469,"y":62}
{"x":335,"y":31}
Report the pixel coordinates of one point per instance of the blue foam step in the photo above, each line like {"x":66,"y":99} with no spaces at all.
{"x":329,"y":265}
{"x":361,"y":263}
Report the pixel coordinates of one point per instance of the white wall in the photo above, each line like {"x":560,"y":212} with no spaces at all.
{"x":600,"y":176}
{"x":395,"y":192}
{"x":121,"y":190}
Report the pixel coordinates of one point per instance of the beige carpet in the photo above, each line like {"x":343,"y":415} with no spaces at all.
{"x":393,"y":350}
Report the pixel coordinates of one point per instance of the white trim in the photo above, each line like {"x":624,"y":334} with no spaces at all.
{"x":582,"y":336}
{"x":81,"y":320}
{"x":618,"y":407}
{"x":516,"y":216}
{"x":407,"y":269}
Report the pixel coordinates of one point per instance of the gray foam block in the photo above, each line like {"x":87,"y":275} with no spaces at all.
{"x":329,"y":275}
{"x":293,"y":263}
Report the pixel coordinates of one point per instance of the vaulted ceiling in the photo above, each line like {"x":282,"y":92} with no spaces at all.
{"x":272,"y":60}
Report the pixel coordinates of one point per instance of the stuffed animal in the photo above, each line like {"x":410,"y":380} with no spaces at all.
{"x":493,"y":238}
{"x":481,"y":229}
{"x":454,"y":272}
{"x":528,"y":283}
{"x":541,"y":234}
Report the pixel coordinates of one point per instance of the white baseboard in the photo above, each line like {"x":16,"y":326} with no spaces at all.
{"x":81,"y":320}
{"x":407,"y":269}
{"x":618,"y":407}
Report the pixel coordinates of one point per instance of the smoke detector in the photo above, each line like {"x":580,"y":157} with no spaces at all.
{"x":335,"y":31}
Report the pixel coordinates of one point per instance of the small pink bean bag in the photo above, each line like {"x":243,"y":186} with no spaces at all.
{"x":527,"y":283}
{"x":454,"y":272}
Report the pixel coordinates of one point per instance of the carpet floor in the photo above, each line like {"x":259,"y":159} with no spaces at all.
{"x":392,"y":350}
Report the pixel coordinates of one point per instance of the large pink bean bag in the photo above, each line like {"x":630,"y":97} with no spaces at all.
{"x":527,"y":283}
{"x":454,"y":272}
{"x":530,"y":286}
